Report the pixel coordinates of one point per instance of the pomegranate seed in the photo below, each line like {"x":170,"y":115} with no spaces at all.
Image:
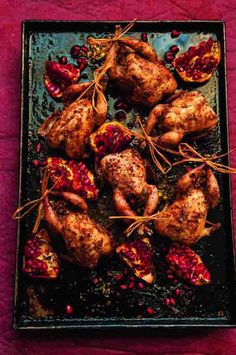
{"x":144,"y":37}
{"x":174,"y":49}
{"x":29,"y":262}
{"x":119,"y":277}
{"x":210,"y":41}
{"x":63,"y":60}
{"x":75,"y":51}
{"x":82,"y":63}
{"x":175,"y":33}
{"x":95,"y":280}
{"x":123,"y":287}
{"x":167,"y":301}
{"x":131,"y":285}
{"x":38,"y":264}
{"x":140,"y":285}
{"x":44,"y":267}
{"x":84,"y":48}
{"x":177,"y":292}
{"x":150,"y":310}
{"x":172,"y":301}
{"x":80,"y":60}
{"x":169,"y":57}
{"x":38,"y":148}
{"x":69,"y":309}
{"x":202,"y":44}
{"x":196,"y":76}
{"x":35,"y":163}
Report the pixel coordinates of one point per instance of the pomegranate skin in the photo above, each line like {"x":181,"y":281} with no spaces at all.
{"x":175,"y":34}
{"x":52,"y":88}
{"x":188,"y":265}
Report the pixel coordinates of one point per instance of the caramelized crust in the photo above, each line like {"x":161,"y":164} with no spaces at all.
{"x":138,"y":73}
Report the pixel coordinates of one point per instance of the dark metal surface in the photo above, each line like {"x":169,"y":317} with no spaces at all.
{"x":212,"y":306}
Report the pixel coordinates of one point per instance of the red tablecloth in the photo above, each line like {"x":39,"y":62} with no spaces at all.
{"x":12,"y":13}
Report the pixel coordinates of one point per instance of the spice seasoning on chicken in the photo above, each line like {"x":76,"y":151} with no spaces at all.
{"x":187,"y":214}
{"x":188,"y":112}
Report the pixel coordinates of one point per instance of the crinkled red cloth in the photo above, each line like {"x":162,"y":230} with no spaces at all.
{"x":12,"y":13}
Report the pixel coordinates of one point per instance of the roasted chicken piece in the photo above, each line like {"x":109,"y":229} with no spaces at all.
{"x":69,"y":129}
{"x":126,"y":173}
{"x":86,"y":240}
{"x":185,"y":219}
{"x":188,"y":112}
{"x":137,"y":72}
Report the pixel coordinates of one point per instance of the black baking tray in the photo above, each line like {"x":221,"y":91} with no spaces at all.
{"x":39,"y":37}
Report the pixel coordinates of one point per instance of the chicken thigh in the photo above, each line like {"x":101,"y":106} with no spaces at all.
{"x":86,"y":240}
{"x":137,"y":72}
{"x":188,"y":112}
{"x":69,"y":129}
{"x":126,"y":173}
{"x":185,"y":219}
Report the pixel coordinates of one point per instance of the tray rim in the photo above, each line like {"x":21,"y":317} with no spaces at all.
{"x":119,"y":323}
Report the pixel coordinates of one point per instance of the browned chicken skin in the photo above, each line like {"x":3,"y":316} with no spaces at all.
{"x":69,"y":130}
{"x":86,"y":240}
{"x":126,"y":173}
{"x":186,"y":217}
{"x":188,"y":112}
{"x":137,"y":72}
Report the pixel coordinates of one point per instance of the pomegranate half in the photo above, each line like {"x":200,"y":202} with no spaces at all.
{"x":188,"y":265}
{"x":109,"y":138}
{"x":138,"y":256}
{"x":199,"y":62}
{"x":72,"y":176}
{"x":40,"y":261}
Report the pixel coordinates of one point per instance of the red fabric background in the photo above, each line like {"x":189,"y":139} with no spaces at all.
{"x":12,"y":12}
